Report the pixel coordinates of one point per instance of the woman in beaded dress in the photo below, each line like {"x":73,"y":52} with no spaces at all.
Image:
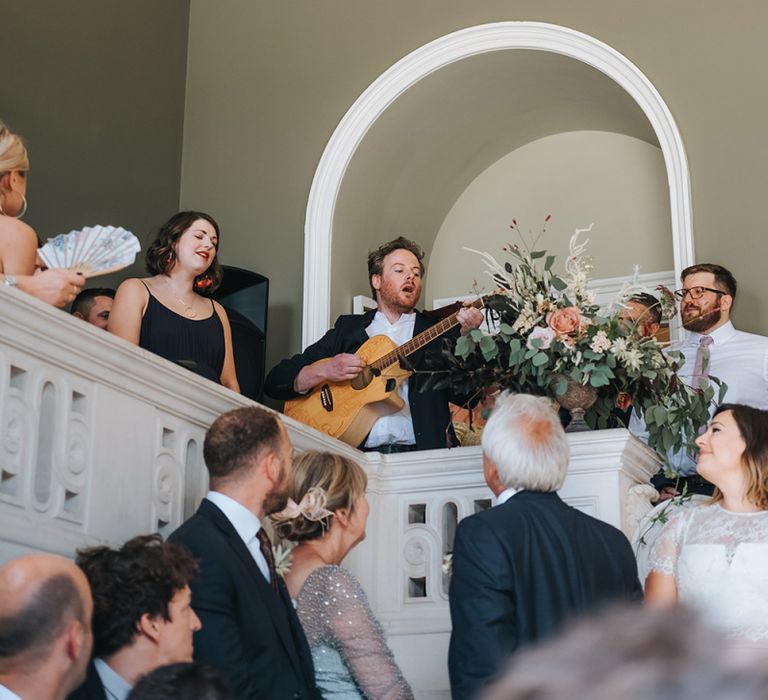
{"x":167,"y":313}
{"x":349,"y":651}
{"x":714,"y":556}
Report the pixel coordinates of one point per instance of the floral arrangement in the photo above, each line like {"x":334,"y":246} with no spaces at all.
{"x":551,"y":335}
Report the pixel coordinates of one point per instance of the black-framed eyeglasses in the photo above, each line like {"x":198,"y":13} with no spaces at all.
{"x":696,"y":292}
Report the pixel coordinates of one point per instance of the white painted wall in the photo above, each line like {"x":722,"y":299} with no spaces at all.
{"x":616,"y":182}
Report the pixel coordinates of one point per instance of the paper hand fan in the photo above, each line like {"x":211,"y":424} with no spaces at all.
{"x":94,"y":250}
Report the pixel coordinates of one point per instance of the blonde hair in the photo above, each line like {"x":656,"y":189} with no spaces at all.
{"x":342,"y":480}
{"x":13,"y":154}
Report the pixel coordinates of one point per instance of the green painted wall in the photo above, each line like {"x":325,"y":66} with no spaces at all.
{"x":269,"y":81}
{"x":96,"y":87}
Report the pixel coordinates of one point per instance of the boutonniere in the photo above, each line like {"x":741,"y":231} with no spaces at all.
{"x":283,"y":559}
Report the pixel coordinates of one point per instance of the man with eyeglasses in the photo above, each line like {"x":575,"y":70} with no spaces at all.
{"x":714,"y":347}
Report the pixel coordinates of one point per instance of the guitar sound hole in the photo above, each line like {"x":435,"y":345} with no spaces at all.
{"x":363,"y":379}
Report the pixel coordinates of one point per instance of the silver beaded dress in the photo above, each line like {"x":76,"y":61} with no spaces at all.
{"x":351,"y":656}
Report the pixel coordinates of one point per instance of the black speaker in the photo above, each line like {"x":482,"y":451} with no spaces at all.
{"x":245,"y":296}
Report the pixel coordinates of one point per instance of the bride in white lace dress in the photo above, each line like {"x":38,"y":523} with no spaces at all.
{"x":714,"y":557}
{"x":349,"y":650}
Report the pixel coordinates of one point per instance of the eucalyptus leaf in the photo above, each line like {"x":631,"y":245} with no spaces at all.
{"x":540,"y":359}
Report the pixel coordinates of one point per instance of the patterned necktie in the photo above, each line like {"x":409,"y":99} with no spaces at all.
{"x":700,"y":378}
{"x":266,"y":550}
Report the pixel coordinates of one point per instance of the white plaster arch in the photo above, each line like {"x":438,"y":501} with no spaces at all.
{"x":498,"y":36}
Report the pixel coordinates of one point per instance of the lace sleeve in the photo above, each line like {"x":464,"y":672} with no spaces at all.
{"x":360,"y":639}
{"x":666,"y":548}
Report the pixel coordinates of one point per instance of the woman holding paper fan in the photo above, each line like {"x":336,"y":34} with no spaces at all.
{"x":165,"y":313}
{"x":18,"y":241}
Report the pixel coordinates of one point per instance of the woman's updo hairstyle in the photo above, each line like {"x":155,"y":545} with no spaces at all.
{"x":161,"y":253}
{"x":13,"y":154}
{"x":343,"y":481}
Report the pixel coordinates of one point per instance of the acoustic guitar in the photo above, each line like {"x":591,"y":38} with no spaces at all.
{"x":347,"y":410}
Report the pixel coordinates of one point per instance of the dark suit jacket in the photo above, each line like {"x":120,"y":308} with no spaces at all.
{"x":250,"y":633}
{"x":91,"y":689}
{"x":429,"y":409}
{"x":520,"y":570}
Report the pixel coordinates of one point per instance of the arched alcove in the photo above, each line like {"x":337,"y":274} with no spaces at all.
{"x":428,"y":126}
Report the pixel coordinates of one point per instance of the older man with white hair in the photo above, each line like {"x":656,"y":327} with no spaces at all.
{"x":524,"y":567}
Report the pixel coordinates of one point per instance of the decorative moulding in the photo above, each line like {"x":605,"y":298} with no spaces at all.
{"x":499,"y":36}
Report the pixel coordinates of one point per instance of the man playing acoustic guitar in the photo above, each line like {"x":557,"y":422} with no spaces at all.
{"x":423,"y":422}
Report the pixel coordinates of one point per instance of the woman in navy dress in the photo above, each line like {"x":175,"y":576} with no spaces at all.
{"x":167,"y":312}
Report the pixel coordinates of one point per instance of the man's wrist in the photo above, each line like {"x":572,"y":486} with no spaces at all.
{"x":10,"y":281}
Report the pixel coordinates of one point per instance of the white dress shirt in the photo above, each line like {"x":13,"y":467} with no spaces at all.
{"x":115,"y":686}
{"x":738,"y":359}
{"x":397,"y":428}
{"x":6,"y":694}
{"x":505,"y":495}
{"x":246,"y":524}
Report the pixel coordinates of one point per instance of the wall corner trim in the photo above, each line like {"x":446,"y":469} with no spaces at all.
{"x":498,"y":36}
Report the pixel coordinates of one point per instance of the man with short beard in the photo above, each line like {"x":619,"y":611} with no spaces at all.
{"x":738,"y":359}
{"x":250,"y":630}
{"x":395,"y":272}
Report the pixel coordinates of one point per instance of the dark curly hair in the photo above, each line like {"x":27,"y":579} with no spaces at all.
{"x":184,"y":681}
{"x":651,"y":303}
{"x":161,"y":254}
{"x":140,"y":578}
{"x":236,"y":439}
{"x":342,"y":480}
{"x":376,"y":257}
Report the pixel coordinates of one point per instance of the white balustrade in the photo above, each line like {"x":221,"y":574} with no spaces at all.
{"x":101,"y":440}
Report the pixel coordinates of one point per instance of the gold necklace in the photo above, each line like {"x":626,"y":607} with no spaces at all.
{"x":189,"y":311}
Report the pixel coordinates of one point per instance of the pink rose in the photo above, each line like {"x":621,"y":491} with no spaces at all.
{"x":545,"y":335}
{"x":565,"y":321}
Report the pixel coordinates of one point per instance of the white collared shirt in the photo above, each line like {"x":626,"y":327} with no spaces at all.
{"x":246,"y":524}
{"x":505,"y":495}
{"x":115,"y":686}
{"x":6,"y":694}
{"x":397,"y":428}
{"x":738,"y":359}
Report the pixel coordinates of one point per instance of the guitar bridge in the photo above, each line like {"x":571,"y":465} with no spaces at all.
{"x":326,"y":398}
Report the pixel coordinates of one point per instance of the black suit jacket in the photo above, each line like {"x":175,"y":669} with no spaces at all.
{"x":429,"y":409}
{"x":520,"y":570}
{"x":249,"y":632}
{"x":91,"y":689}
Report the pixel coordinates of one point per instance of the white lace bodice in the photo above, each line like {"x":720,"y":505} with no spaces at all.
{"x":720,"y":561}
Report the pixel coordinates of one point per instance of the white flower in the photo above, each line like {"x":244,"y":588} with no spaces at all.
{"x":632,"y":359}
{"x":619,"y":346}
{"x":447,"y":565}
{"x":600,"y":343}
{"x":545,"y":335}
{"x":524,"y":322}
{"x":283,"y":559}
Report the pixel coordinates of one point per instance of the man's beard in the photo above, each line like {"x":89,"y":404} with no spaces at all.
{"x":277,"y":498}
{"x":703,"y":321}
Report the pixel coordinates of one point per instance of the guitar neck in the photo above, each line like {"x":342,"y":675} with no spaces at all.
{"x":422,"y":339}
